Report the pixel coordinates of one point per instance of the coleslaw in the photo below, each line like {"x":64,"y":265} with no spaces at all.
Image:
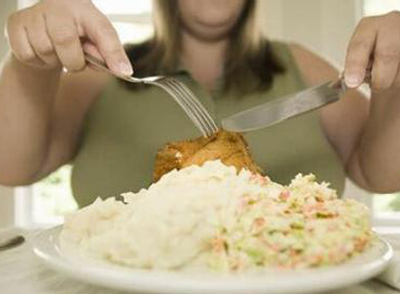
{"x":215,"y":219}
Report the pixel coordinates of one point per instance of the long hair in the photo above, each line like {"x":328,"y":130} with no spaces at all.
{"x":250,"y":63}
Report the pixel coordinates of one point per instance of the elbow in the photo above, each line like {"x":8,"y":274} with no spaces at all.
{"x":383,"y":187}
{"x":374,"y":179}
{"x":12,"y":183}
{"x":9,"y":179}
{"x":381,"y":182}
{"x":377,"y":187}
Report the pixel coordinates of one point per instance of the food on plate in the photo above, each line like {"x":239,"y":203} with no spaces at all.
{"x":212,"y":218}
{"x":231,"y":148}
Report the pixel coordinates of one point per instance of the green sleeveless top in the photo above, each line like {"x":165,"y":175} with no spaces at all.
{"x":124,"y":130}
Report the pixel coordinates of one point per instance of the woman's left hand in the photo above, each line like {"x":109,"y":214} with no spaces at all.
{"x":376,"y":40}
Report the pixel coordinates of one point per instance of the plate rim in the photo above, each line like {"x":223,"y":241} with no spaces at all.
{"x":149,"y":282}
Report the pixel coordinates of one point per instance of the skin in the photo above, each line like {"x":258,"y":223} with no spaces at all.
{"x":42,"y":107}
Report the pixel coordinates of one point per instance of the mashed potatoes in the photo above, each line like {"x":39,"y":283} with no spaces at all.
{"x":212,"y":218}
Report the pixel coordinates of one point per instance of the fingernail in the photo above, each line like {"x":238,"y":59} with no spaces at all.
{"x":353,"y":80}
{"x":126,"y":68}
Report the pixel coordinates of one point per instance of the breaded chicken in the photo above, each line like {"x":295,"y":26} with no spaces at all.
{"x":230,"y":148}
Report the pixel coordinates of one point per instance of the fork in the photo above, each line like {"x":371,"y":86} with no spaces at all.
{"x":175,"y":88}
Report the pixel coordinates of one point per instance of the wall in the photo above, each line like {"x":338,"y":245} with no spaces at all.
{"x":324,"y":26}
{"x":6,"y":194}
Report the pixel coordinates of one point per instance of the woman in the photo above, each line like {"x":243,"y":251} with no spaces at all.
{"x":111,"y":132}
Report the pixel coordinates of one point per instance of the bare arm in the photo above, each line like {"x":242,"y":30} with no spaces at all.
{"x":26,"y":101}
{"x":41,"y":108}
{"x":343,"y":121}
{"x":41,"y":115}
{"x":377,"y":157}
{"x":365,"y":133}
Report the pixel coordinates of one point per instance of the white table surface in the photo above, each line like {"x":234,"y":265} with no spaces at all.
{"x":22,"y":272}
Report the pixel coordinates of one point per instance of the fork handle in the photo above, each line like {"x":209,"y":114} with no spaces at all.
{"x":97,"y":62}
{"x":103,"y":66}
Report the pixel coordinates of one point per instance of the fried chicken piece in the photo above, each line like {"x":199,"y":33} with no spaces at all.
{"x":230,"y":148}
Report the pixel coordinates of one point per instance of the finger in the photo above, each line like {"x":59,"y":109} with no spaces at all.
{"x":396,"y":82}
{"x":104,"y":36}
{"x":64,"y":36}
{"x":359,"y":52}
{"x":23,"y":51}
{"x":386,"y":60}
{"x":92,"y":50}
{"x":40,"y":40}
{"x":20,"y":45}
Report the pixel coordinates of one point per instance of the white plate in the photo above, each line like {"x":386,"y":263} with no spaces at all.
{"x":361,"y":268}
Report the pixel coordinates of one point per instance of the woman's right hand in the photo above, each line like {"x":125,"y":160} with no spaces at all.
{"x":56,"y":33}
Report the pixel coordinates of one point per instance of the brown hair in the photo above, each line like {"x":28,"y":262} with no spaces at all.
{"x":250,"y":63}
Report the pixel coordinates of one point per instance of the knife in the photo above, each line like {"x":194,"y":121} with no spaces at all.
{"x":11,"y":243}
{"x":273,"y":112}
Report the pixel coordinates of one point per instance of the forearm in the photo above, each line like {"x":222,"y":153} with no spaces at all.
{"x":376,"y":160}
{"x":26,"y":100}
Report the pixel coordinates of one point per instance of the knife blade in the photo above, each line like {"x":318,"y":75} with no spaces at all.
{"x":275,"y":111}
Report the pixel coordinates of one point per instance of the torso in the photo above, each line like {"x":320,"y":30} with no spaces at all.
{"x":125,"y":129}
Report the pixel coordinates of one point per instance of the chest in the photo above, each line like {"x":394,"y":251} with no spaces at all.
{"x":148,"y":119}
{"x":125,"y":130}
